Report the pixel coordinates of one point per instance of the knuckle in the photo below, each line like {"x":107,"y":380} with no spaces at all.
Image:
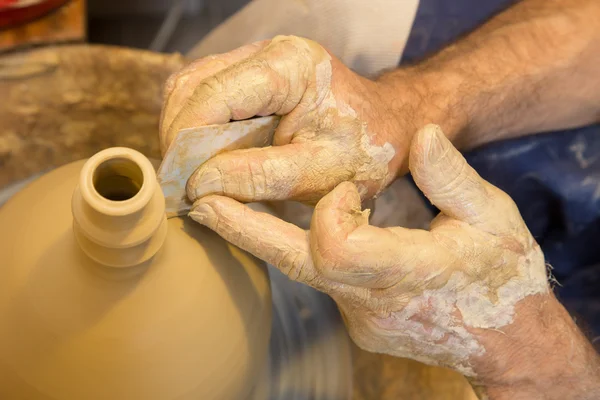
{"x":503,"y":201}
{"x":256,"y":65}
{"x":292,"y":264}
{"x":175,"y":78}
{"x":330,"y":259}
{"x":258,"y":179}
{"x":266,"y":73}
{"x":457,"y":181}
{"x":285,"y":39}
{"x":243,"y":176}
{"x":291,"y":42}
{"x":208,"y":87}
{"x":202,"y":61}
{"x":206,"y":102}
{"x":170,"y":84}
{"x":501,"y":197}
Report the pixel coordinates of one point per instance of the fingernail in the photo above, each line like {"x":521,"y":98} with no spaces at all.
{"x":204,"y":182}
{"x":203,"y":214}
{"x":438,"y":145}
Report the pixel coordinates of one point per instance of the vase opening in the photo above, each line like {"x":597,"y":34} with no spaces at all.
{"x":118,"y":179}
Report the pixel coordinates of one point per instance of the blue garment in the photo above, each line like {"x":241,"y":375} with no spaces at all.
{"x":554,"y":178}
{"x":440,"y":22}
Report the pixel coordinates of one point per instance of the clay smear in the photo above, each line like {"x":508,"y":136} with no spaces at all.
{"x":454,"y":342}
{"x":371,"y":164}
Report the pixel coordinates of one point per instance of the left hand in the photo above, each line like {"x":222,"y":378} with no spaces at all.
{"x":336,"y":126}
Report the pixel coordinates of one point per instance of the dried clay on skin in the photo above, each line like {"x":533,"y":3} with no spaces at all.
{"x":446,"y":291}
{"x":486,"y":268}
{"x":372,"y":163}
{"x":455,"y":344}
{"x":321,"y":140}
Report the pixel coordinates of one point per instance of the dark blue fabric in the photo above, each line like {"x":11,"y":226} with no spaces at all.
{"x":439,"y":22}
{"x":554,"y":178}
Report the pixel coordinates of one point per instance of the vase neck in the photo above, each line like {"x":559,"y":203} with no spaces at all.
{"x":119,"y":209}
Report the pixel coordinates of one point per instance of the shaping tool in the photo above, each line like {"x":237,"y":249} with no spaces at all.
{"x":194,"y":146}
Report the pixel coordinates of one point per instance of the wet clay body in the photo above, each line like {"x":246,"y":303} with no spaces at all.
{"x":186,"y":316}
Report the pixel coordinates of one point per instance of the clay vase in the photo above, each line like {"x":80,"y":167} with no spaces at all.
{"x":102,"y":297}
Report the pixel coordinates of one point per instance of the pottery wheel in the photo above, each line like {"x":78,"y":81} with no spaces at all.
{"x":310,"y":355}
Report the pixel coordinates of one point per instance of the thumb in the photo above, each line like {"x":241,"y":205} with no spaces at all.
{"x":452,"y":185}
{"x":346,"y":249}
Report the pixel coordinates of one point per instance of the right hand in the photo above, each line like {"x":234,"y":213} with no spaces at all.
{"x":337,"y":126}
{"x":470,"y":294}
{"x":438,"y":296}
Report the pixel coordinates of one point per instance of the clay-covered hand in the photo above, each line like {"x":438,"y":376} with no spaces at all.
{"x":421,"y":294}
{"x":336,"y":125}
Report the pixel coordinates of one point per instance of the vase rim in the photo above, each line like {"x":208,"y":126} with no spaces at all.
{"x":110,"y":207}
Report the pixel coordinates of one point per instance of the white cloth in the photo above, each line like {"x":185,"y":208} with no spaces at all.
{"x":367,"y":35}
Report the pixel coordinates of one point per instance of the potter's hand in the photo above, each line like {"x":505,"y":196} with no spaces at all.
{"x":410,"y":293}
{"x":470,"y":294}
{"x":335,"y":127}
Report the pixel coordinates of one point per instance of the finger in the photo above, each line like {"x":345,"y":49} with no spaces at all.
{"x":320,"y":87}
{"x":267,"y":237}
{"x":181,"y":85}
{"x":346,"y":249}
{"x":295,"y":171}
{"x":445,"y":177}
{"x":206,"y":66}
{"x":274,"y":80}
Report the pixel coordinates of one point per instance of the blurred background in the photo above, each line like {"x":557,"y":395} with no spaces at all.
{"x":159,"y":25}
{"x":367,"y":36}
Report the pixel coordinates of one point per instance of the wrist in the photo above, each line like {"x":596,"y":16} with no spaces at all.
{"x":542,"y":354}
{"x":417,"y":97}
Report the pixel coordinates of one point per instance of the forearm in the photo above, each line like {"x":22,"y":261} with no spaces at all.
{"x":532,"y":68}
{"x":542,"y":355}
